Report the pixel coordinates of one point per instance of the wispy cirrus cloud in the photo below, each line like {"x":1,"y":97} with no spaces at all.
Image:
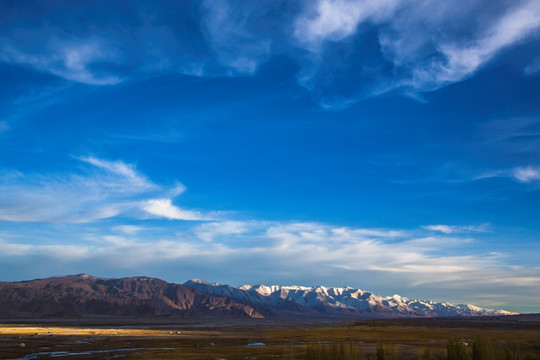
{"x":526,"y":174}
{"x":459,"y":59}
{"x":523,"y":174}
{"x":512,"y":135}
{"x":73,"y":60}
{"x":59,"y":199}
{"x":128,"y":229}
{"x":458,"y":229}
{"x":334,"y":20}
{"x":416,"y":46}
{"x":235,"y":45}
{"x":345,"y":50}
{"x":102,"y":189}
{"x":135,"y":181}
{"x":64,"y":253}
{"x":223,"y":229}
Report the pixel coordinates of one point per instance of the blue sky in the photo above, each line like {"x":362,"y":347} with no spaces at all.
{"x":392,"y":146}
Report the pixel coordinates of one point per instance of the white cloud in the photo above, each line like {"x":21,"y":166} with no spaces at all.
{"x":435,"y":242}
{"x":64,"y":253}
{"x":335,"y":20}
{"x":56,"y":198}
{"x":115,"y":167}
{"x":119,"y":241}
{"x":526,"y":174}
{"x":288,"y":234}
{"x":453,"y":229}
{"x":136,"y":181}
{"x":178,"y":189}
{"x":320,"y":245}
{"x":69,"y":59}
{"x":523,"y":174}
{"x":209,"y":231}
{"x":236,"y":47}
{"x":462,"y":59}
{"x":7,"y":249}
{"x":128,"y":229}
{"x":376,"y":233}
{"x":106,"y":189}
{"x":488,"y":174}
{"x":165,"y":208}
{"x":424,"y":45}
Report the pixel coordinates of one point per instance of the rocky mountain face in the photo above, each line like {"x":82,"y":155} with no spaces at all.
{"x":347,"y":301}
{"x":87,"y":296}
{"x":275,"y":304}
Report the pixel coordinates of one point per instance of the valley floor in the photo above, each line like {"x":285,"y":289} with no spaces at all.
{"x":265,"y":338}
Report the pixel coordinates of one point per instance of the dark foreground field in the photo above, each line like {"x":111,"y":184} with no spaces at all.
{"x":511,"y":337}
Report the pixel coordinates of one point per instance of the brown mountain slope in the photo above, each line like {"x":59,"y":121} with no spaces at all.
{"x":86,"y":296}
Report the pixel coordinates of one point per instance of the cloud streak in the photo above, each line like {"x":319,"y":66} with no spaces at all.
{"x":460,"y":60}
{"x":165,"y":208}
{"x":526,"y":174}
{"x":72,"y":60}
{"x":334,"y":20}
{"x":452,"y":229}
{"x":345,"y":50}
{"x":103,"y":190}
{"x":235,"y":46}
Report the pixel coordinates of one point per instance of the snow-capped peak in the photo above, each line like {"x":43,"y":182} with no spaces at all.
{"x":336,"y":300}
{"x":199,"y":281}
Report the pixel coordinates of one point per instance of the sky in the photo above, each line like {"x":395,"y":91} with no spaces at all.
{"x":391,"y":146}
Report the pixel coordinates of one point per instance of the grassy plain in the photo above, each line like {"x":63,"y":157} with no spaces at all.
{"x":262,"y":338}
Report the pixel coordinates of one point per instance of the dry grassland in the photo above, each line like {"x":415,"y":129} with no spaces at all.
{"x":257,"y":339}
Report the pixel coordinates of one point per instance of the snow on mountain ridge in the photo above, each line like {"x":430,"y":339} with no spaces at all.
{"x":340,"y":300}
{"x":200,"y":281}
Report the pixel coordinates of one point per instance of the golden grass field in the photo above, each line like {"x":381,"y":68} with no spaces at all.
{"x":256,"y":339}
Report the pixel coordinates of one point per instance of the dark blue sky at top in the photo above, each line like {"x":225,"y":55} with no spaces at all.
{"x":388,"y":145}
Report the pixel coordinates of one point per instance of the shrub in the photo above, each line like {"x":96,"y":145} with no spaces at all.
{"x":482,"y":349}
{"x":456,"y":350}
{"x":337,"y":351}
{"x":386,"y":352}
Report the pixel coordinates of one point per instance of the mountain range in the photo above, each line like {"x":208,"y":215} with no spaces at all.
{"x":338,"y":301}
{"x":88,"y":296}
